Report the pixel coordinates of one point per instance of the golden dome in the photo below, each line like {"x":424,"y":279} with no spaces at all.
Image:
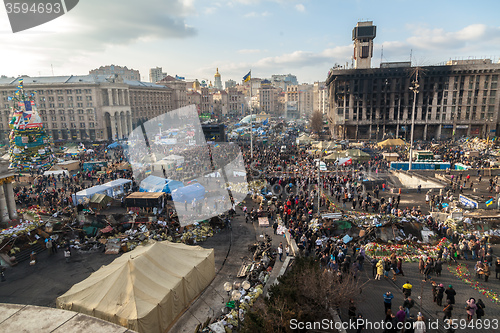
{"x":217,"y":73}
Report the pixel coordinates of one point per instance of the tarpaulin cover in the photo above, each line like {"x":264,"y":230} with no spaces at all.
{"x":188,"y":193}
{"x":144,"y":289}
{"x":159,"y":184}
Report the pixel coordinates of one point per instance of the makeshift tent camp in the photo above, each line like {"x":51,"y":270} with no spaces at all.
{"x":391,"y":143}
{"x":188,"y":193}
{"x":358,"y":155}
{"x":336,"y":155}
{"x":163,"y":165}
{"x":179,"y":160}
{"x":304,"y":139}
{"x":99,"y":201}
{"x":159,"y":184}
{"x":113,"y":189}
{"x":144,"y":289}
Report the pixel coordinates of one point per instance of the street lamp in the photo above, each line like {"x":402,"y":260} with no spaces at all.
{"x":415,"y":92}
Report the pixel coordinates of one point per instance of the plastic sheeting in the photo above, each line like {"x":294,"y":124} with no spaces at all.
{"x":159,"y":184}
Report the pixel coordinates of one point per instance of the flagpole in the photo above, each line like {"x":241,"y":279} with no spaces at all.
{"x":251,"y":120}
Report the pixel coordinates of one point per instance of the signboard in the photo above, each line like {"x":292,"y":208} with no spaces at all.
{"x":447,"y":126}
{"x":467,"y":202}
{"x":462,"y":126}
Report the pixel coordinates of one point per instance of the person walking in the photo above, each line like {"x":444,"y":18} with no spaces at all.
{"x":471,"y":308}
{"x":438,"y":267}
{"x":380,"y":269}
{"x":497,"y":268}
{"x":419,"y":325}
{"x":486,"y":272}
{"x":450,"y":294}
{"x":407,"y":288}
{"x":480,"y":309}
{"x":447,"y":310}
{"x":407,"y":305}
{"x":440,"y":295}
{"x":388,"y":296}
{"x":280,"y":251}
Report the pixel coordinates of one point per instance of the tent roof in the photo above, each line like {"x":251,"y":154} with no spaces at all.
{"x":100,"y":198}
{"x":144,"y":289}
{"x":101,"y":188}
{"x":391,"y":142}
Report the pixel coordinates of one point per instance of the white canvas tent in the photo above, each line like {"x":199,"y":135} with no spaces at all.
{"x":176,"y":158}
{"x":145,"y":289}
{"x":113,"y":189}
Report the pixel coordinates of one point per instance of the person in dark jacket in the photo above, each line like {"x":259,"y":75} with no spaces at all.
{"x":440,"y":294}
{"x":447,"y":310}
{"x":450,"y":294}
{"x":497,"y":269}
{"x":480,"y":309}
{"x":438,"y":267}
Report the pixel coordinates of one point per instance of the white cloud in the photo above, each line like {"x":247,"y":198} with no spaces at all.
{"x":249,"y":51}
{"x":255,"y":14}
{"x":435,"y":39}
{"x":300,"y":7}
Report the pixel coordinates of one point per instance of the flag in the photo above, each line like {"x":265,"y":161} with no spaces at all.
{"x":265,"y":122}
{"x":27,"y":105}
{"x":179,"y":168}
{"x":247,"y":77}
{"x":489,"y":202}
{"x":180,"y":77}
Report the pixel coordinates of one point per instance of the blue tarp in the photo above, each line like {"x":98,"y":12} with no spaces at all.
{"x":159,"y":184}
{"x":113,"y":145}
{"x":188,"y":193}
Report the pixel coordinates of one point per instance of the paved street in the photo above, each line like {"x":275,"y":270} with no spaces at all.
{"x":370,"y":301}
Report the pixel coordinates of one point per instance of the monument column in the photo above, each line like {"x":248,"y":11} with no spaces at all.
{"x":113,"y":127}
{"x":4,"y":213}
{"x":11,"y":202}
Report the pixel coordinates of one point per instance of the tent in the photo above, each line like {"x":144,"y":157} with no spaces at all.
{"x":56,"y":173}
{"x":358,"y":155}
{"x":179,"y":160}
{"x":145,"y":289}
{"x":188,"y":193}
{"x":163,"y":165}
{"x":304,"y":139}
{"x":99,"y":201}
{"x":335,"y":156}
{"x":159,"y":184}
{"x":391,"y":143}
{"x":113,"y":189}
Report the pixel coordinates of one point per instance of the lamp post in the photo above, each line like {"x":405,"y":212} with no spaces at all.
{"x":415,"y":92}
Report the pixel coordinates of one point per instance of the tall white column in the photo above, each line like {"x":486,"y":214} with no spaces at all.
{"x":129,"y":120}
{"x":11,"y":201}
{"x":119,"y":126}
{"x":113,"y":127}
{"x":4,"y":212}
{"x":110,"y":97}
{"x":124,"y":124}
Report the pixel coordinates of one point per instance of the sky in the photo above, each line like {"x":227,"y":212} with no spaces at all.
{"x":191,"y":38}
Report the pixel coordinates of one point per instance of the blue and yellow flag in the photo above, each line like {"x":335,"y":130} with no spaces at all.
{"x":489,"y":202}
{"x":247,"y":77}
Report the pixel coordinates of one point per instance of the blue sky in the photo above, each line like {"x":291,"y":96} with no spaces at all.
{"x":192,"y":37}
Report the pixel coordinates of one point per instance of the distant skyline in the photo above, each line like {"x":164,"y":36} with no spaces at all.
{"x":191,"y":38}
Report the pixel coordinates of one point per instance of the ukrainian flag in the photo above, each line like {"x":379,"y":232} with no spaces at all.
{"x":247,"y":77}
{"x":489,"y":202}
{"x":179,"y":168}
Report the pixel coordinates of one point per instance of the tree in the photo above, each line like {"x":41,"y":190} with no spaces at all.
{"x":305,"y":293}
{"x":316,"y":122}
{"x":30,"y":146}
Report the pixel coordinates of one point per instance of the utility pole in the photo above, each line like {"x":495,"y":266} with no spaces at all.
{"x":415,"y":92}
